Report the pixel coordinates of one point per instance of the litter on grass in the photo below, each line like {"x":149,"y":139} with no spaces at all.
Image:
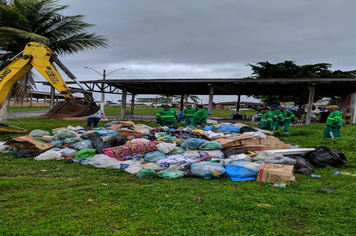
{"x":236,"y":151}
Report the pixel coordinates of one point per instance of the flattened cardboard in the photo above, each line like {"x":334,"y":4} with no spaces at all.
{"x":253,"y":148}
{"x":275,"y":173}
{"x":250,"y":141}
{"x":234,"y":141}
{"x":274,"y":144}
{"x":28,"y":144}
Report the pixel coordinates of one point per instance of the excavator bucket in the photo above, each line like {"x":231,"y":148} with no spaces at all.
{"x":70,"y":108}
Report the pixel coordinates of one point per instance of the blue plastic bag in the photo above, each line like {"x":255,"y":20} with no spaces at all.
{"x":230,"y":128}
{"x":239,"y":173}
{"x":209,"y":127}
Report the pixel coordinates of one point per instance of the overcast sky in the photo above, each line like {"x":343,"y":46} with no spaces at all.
{"x":212,"y":38}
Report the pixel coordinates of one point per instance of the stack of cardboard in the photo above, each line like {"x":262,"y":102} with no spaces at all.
{"x":251,"y":143}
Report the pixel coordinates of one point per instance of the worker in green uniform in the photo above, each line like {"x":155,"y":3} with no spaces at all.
{"x":288,"y":118}
{"x":200,"y":116}
{"x":277,"y":117}
{"x":333,"y":123}
{"x":266,"y":122}
{"x":166,"y":116}
{"x":188,"y":114}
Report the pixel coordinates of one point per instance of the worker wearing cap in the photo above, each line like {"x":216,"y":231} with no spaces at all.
{"x":200,"y":116}
{"x":166,"y":116}
{"x":333,"y":123}
{"x":266,"y":122}
{"x":188,"y":114}
{"x":288,"y":118}
{"x":277,"y":117}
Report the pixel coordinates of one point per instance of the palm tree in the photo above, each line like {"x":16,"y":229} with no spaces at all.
{"x":23,"y":21}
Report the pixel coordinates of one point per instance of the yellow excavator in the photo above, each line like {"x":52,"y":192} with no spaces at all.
{"x":42,"y":58}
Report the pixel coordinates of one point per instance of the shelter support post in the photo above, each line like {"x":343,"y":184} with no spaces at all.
{"x":181,"y":102}
{"x":31,"y":97}
{"x":238,"y":102}
{"x":51,"y":105}
{"x":123,"y":103}
{"x":310,"y":103}
{"x":132,"y":103}
{"x":211,"y":98}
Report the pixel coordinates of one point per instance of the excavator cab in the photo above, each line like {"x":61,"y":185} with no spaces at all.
{"x":43,"y":60}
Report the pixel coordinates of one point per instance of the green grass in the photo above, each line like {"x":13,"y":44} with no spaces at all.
{"x":58,"y":198}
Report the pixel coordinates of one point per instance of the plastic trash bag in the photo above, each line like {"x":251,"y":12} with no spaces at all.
{"x":209,"y":127}
{"x":155,"y":156}
{"x":281,"y":160}
{"x":239,"y":173}
{"x":63,"y":133}
{"x":192,"y":143}
{"x":146,"y":173}
{"x":324,"y":156}
{"x":72,"y":140}
{"x":244,"y":129}
{"x":302,"y":166}
{"x":211,"y":145}
{"x":39,"y":133}
{"x":69,"y":152}
{"x":51,"y":154}
{"x":229,"y":128}
{"x":254,"y":166}
{"x":171,"y":174}
{"x":83,"y":144}
{"x":166,"y":147}
{"x":85,"y":153}
{"x":106,"y":132}
{"x":207,"y":170}
{"x":57,"y":143}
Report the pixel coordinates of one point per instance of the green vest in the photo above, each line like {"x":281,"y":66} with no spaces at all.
{"x":167,"y":116}
{"x":200,"y":114}
{"x":288,"y":116}
{"x":334,"y":116}
{"x":189,"y":112}
{"x":266,"y":117}
{"x":277,"y":114}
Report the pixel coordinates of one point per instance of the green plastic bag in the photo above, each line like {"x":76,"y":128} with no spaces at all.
{"x":146,"y":173}
{"x":171,"y":174}
{"x":211,"y":145}
{"x":84,"y":153}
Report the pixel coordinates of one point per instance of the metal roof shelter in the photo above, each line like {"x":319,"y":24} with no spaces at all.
{"x":223,"y":86}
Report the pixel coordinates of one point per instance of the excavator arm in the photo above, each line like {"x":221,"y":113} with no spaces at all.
{"x":42,"y":59}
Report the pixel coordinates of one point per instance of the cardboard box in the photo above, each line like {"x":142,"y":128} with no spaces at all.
{"x":253,"y":148}
{"x":250,"y":141}
{"x":234,"y":141}
{"x":274,"y":144}
{"x":275,"y":173}
{"x":28,"y":144}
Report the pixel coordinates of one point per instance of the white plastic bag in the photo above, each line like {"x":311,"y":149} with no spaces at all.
{"x":166,"y":147}
{"x":51,"y":154}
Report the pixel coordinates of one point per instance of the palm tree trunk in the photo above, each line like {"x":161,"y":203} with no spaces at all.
{"x":4,"y":110}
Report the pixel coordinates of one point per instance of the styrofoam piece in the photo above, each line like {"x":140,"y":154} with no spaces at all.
{"x":289,"y":151}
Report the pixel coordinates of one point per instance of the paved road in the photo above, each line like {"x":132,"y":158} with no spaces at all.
{"x":24,"y":114}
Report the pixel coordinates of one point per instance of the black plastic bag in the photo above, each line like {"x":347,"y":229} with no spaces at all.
{"x":229,"y":152}
{"x":302,"y":166}
{"x":244,"y":129}
{"x":25,"y":154}
{"x":324,"y":156}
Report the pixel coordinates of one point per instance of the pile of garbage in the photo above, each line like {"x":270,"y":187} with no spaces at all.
{"x":237,"y":151}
